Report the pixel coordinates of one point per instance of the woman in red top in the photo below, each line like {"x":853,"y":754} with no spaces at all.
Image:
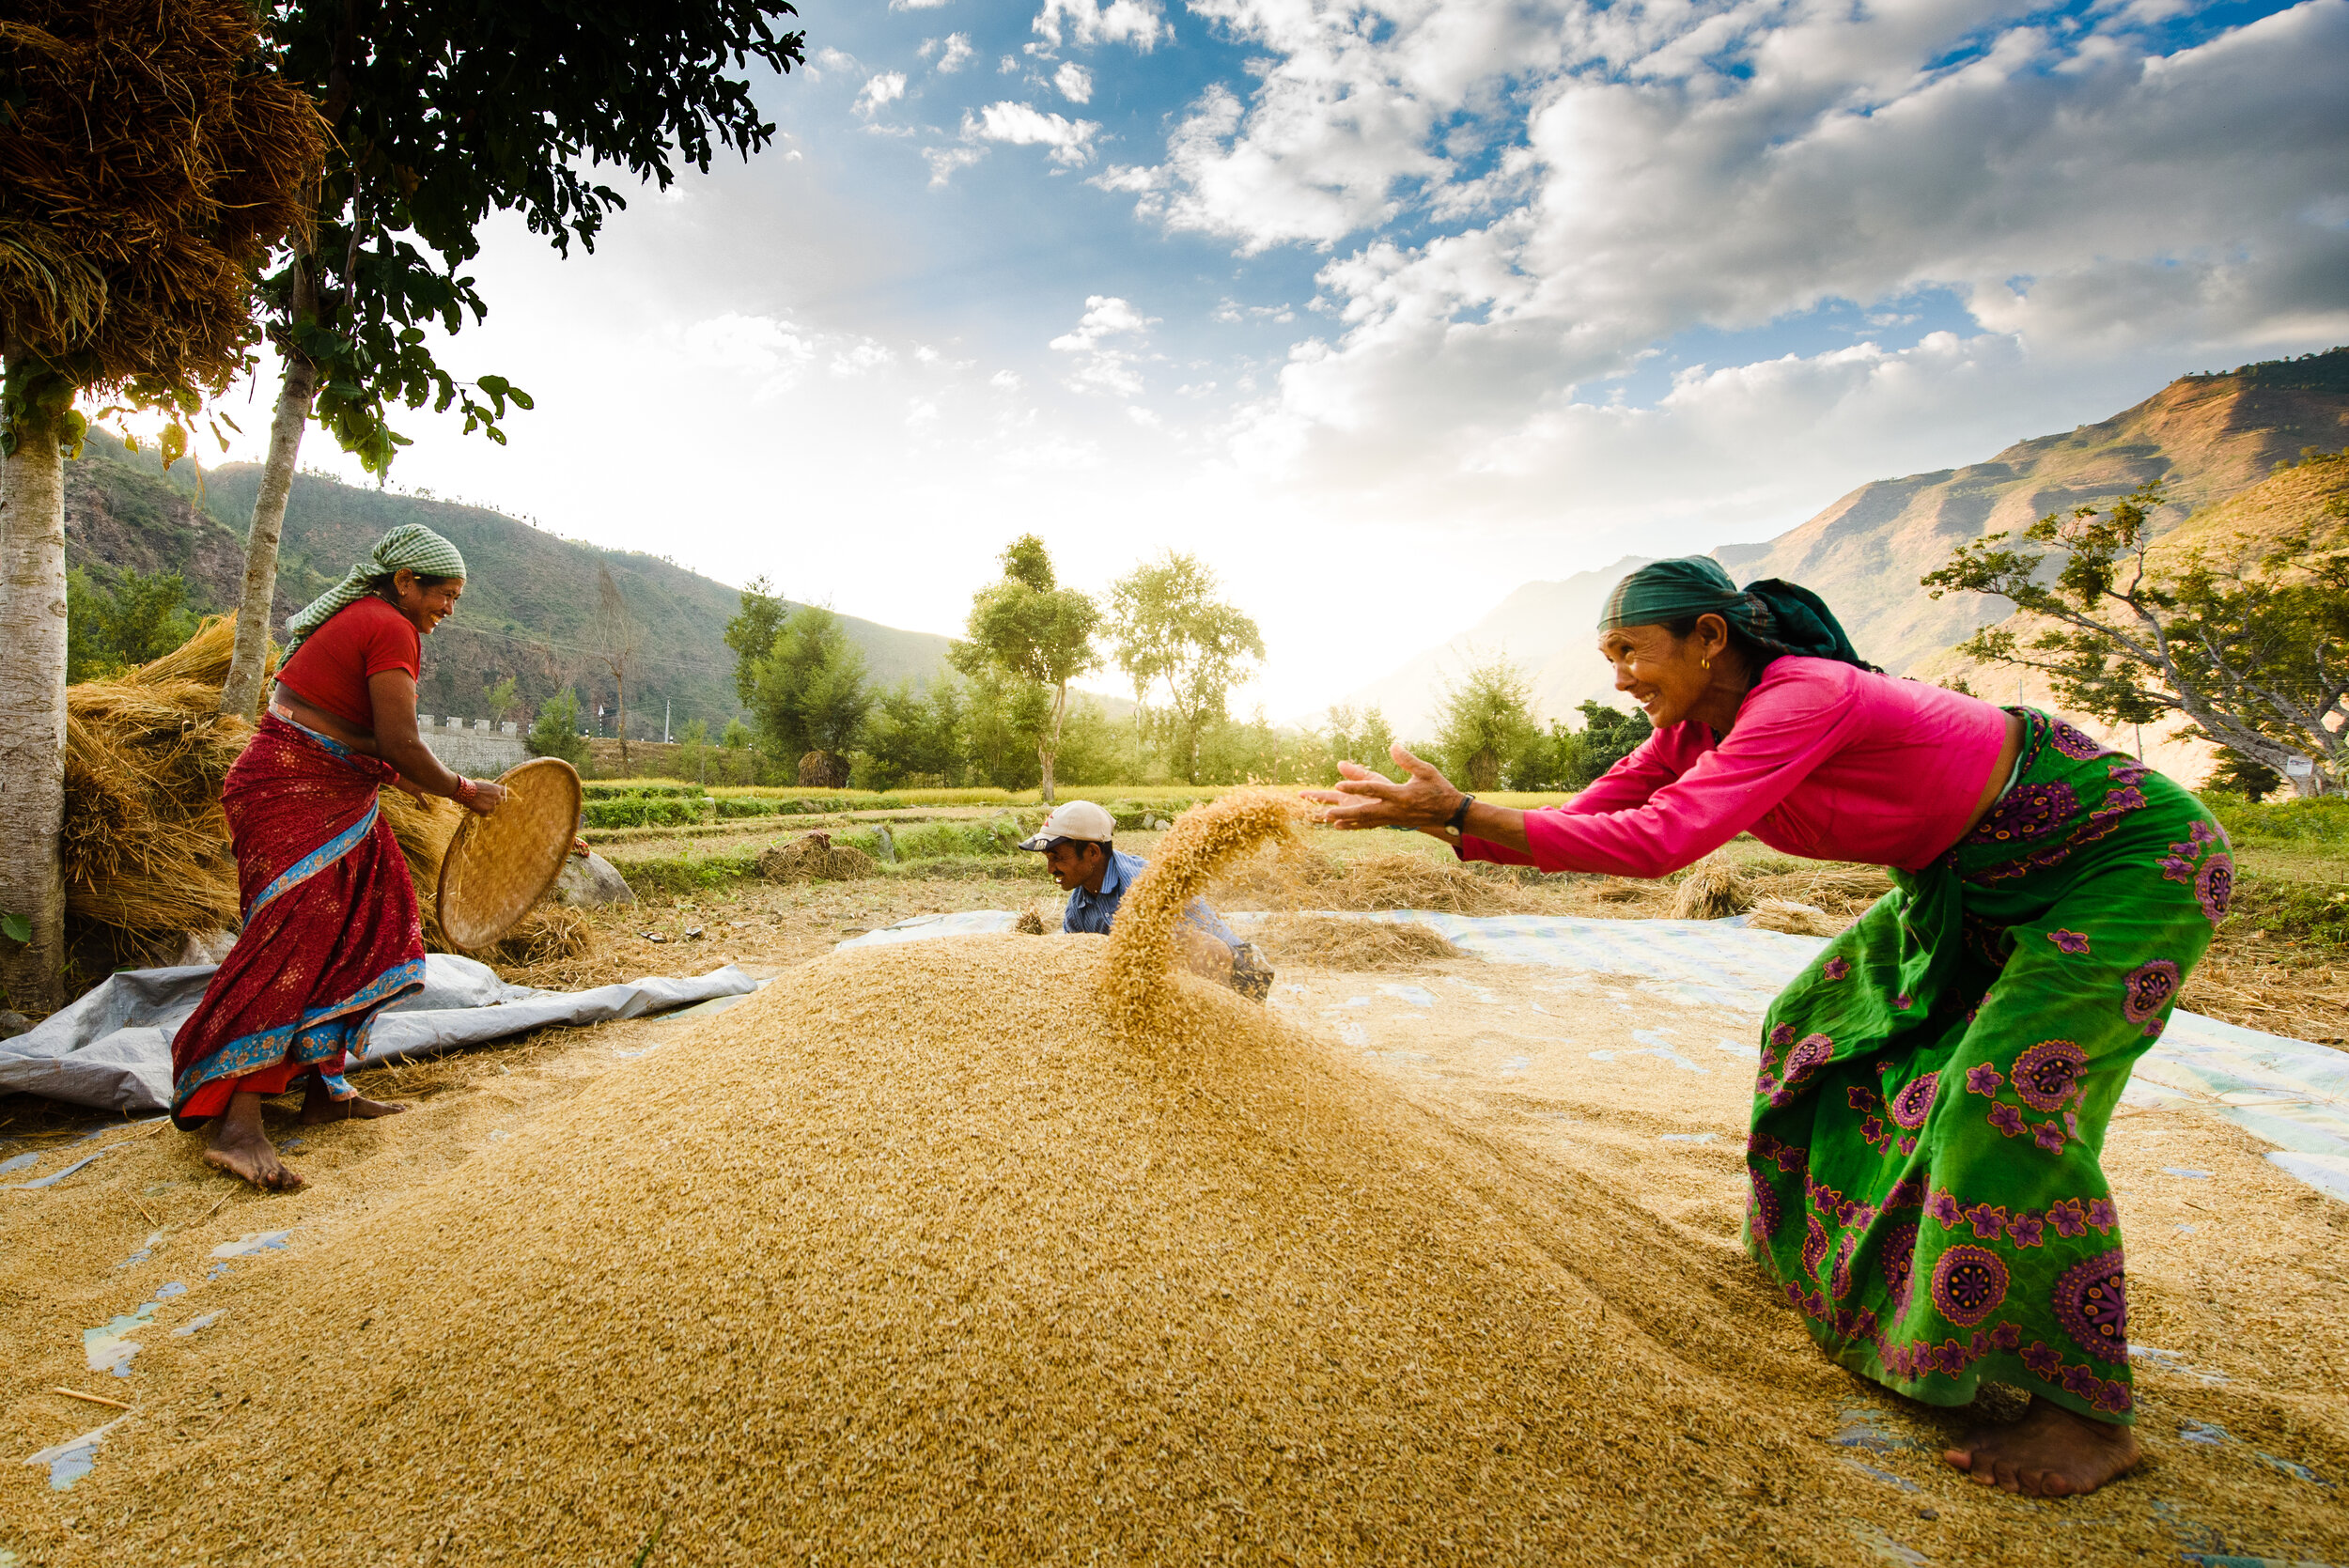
{"x":331,"y":934}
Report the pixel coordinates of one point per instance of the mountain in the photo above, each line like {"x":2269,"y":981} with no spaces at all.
{"x":2208,"y":437}
{"x":530,"y":599}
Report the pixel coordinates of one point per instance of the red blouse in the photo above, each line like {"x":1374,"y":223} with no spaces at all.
{"x":332,"y":667}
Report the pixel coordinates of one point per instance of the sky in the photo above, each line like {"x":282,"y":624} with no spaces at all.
{"x":1383,"y":309}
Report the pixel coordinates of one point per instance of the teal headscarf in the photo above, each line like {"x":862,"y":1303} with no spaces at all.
{"x":1779,"y":616}
{"x":412,"y":546}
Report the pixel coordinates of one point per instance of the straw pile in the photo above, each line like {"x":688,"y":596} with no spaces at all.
{"x":1329,"y":942}
{"x":1710,"y":890}
{"x":146,"y":847}
{"x":150,"y":160}
{"x":1302,"y":878}
{"x":813,"y":858}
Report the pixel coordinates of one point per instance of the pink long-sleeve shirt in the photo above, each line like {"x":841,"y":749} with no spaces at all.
{"x":1827,"y":761}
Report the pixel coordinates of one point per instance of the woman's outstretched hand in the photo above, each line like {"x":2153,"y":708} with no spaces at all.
{"x":487,"y":797}
{"x":1362,"y":799}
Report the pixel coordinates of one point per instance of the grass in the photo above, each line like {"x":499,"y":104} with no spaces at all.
{"x":2322,"y":824}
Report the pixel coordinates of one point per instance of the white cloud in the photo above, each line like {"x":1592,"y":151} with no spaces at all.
{"x":915,"y":5}
{"x":1074,"y":82}
{"x":824,"y":61}
{"x":944,"y":161}
{"x":753,"y":343}
{"x":887,"y":87}
{"x":1022,"y":125}
{"x":1103,"y":366}
{"x":855,"y":359}
{"x":1090,"y":22}
{"x":1641,"y":172}
{"x":954,"y":52}
{"x":1006,"y":380}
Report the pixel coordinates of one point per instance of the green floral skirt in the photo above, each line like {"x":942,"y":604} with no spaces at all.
{"x":1935,"y":1087}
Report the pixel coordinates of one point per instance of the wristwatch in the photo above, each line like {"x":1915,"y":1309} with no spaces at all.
{"x":1457,"y":821}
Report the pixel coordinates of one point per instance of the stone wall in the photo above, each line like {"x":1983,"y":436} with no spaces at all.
{"x":479,"y":749}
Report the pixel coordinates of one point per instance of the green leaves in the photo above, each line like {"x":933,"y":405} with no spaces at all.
{"x":16,"y":928}
{"x":446,"y":111}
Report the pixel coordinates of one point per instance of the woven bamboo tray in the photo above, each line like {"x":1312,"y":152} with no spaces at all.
{"x":499,"y":866}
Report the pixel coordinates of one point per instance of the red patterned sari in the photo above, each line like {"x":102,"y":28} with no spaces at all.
{"x":330,"y":935}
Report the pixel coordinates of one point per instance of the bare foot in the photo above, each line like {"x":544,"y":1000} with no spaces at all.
{"x":2050,"y":1452}
{"x":319,"y":1105}
{"x":239,"y":1147}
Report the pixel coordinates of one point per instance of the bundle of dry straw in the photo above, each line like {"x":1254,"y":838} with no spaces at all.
{"x":1333,"y":942}
{"x":147,"y":165}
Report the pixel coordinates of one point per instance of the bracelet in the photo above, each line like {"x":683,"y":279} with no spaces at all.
{"x":466,"y":790}
{"x":1457,"y":821}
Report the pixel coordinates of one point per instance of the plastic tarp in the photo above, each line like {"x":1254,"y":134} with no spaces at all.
{"x":2288,"y":1092}
{"x":111,"y":1048}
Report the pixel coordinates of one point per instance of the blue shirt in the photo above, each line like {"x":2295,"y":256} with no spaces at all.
{"x":1093,"y":911}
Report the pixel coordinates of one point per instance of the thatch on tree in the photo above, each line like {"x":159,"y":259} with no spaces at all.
{"x":150,"y":160}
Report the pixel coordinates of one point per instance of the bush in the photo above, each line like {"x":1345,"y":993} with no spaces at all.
{"x":644,"y":810}
{"x":614,"y":789}
{"x":2319,"y":824}
{"x":555,"y":732}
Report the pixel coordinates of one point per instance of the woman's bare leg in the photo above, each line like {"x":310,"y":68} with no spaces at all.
{"x":239,"y":1147}
{"x":2051,"y":1452}
{"x":319,"y":1106}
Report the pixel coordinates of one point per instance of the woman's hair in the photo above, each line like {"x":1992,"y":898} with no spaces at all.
{"x":382,"y":583}
{"x":1755,"y":654}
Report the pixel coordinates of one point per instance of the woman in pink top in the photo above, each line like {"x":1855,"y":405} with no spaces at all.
{"x":1934,"y":1088}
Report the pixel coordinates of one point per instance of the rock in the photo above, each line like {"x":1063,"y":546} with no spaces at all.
{"x":13,"y":1024}
{"x":587,"y":883}
{"x":205,"y":947}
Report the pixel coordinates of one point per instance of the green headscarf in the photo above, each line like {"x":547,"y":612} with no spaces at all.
{"x":412,"y":546}
{"x":1780,"y":616}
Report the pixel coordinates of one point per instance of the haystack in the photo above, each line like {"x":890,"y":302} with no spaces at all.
{"x":1302,"y":878}
{"x":813,"y":858}
{"x":1711,"y":890}
{"x":1327,"y":942}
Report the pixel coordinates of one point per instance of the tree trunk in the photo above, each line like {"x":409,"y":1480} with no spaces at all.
{"x":32,"y":711}
{"x":620,"y":681}
{"x":241,"y":693}
{"x":1049,"y":751}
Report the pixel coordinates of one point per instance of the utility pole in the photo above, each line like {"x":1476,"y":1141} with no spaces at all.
{"x":664,"y":721}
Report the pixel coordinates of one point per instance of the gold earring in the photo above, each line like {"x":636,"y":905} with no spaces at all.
{"x":1704,"y":664}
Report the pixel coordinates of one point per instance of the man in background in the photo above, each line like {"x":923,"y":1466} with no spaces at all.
{"x":1076,"y":843}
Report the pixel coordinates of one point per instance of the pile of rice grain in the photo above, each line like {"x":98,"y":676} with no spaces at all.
{"x":909,"y":1258}
{"x":906,"y":1259}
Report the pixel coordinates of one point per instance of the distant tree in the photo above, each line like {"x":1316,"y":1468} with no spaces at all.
{"x":618,"y":639}
{"x":1004,"y":720}
{"x":441,"y":113}
{"x":693,"y":751}
{"x":2254,"y":654}
{"x":144,"y":617}
{"x":1484,"y":722}
{"x":1095,"y":749}
{"x":1182,"y":647}
{"x":752,"y":635}
{"x":741,"y":765}
{"x":811,"y":694}
{"x":1608,"y":736}
{"x":502,"y":699}
{"x":911,"y":734}
{"x":1033,"y":629}
{"x":555,"y":732}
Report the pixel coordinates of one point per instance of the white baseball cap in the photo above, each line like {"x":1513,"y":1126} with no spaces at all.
{"x":1078,"y":819}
